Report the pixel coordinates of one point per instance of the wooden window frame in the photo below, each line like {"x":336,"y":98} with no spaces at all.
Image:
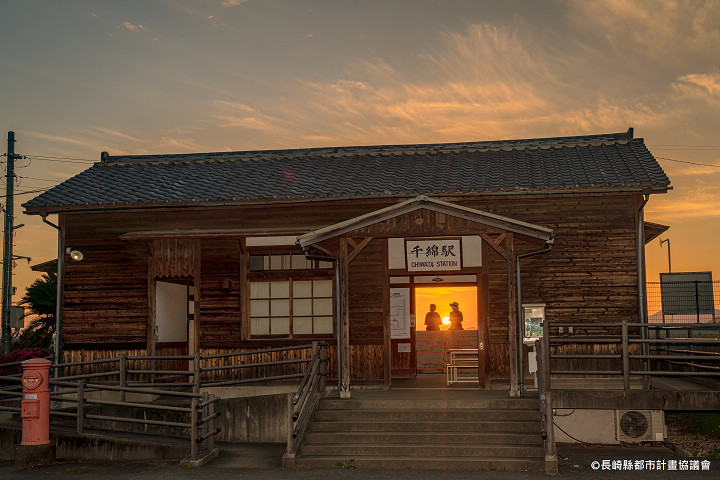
{"x":290,"y":275}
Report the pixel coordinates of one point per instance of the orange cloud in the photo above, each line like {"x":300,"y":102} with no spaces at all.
{"x":134,"y":28}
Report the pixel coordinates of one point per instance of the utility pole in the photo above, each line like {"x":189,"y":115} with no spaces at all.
{"x":8,"y":245}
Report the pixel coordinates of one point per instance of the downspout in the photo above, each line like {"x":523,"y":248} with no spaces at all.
{"x":521,"y":328}
{"x":642,"y":304}
{"x":59,"y":296}
{"x":329,"y":258}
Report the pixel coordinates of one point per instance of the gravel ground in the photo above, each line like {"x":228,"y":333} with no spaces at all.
{"x":691,"y":444}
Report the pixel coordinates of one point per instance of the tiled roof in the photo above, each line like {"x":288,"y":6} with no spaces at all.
{"x":598,"y":162}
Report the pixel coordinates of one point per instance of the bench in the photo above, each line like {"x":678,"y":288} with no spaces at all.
{"x":463,"y":366}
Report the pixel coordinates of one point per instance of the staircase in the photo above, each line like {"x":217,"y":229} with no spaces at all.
{"x":425,"y":429}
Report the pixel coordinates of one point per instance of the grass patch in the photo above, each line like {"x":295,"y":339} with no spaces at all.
{"x":702,"y":423}
{"x":81,"y":469}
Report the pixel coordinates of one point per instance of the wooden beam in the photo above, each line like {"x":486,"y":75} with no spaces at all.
{"x":512,"y":316}
{"x":358,"y":248}
{"x":495,"y":244}
{"x":343,"y":267}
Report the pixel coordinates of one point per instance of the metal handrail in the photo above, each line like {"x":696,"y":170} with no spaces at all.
{"x":626,"y":341}
{"x":302,"y":404}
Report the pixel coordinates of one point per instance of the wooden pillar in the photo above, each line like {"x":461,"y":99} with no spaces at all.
{"x":196,"y":294}
{"x":151,"y":335}
{"x":387,"y":342}
{"x":244,"y":290}
{"x":486,"y":318}
{"x":344,"y":321}
{"x":512,"y":316}
{"x":483,"y":325}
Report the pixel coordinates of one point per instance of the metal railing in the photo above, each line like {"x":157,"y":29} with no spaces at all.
{"x":72,"y":399}
{"x":640,"y":349}
{"x":138,"y":375}
{"x":302,"y":404}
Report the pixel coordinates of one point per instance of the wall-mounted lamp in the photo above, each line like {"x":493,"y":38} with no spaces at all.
{"x":74,"y":254}
{"x":226,"y":286}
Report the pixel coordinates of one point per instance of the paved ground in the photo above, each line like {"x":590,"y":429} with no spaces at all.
{"x":262,"y":462}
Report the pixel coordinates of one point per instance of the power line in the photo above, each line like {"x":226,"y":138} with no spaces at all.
{"x":38,"y":179}
{"x":40,"y":190}
{"x":50,"y":158}
{"x":689,"y":163}
{"x":683,"y":146}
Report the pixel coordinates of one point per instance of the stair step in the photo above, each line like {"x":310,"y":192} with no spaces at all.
{"x":466,"y":415}
{"x":518,"y":426}
{"x":429,"y":438}
{"x":487,"y":432}
{"x":431,"y":404}
{"x":428,"y":463}
{"x":420,"y":450}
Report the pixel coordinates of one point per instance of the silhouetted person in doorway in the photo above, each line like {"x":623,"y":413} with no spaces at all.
{"x":432,"y":319}
{"x":456,"y":317}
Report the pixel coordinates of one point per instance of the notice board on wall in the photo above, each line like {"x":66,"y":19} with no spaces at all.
{"x":399,"y":313}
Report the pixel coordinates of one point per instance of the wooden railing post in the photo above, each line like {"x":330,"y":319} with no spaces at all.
{"x":323,"y":370}
{"x":551,"y":459}
{"x":80,"y":406}
{"x":545,"y":355}
{"x":212,"y":426}
{"x":289,"y":456}
{"x":546,"y":410}
{"x":205,"y":429}
{"x":194,"y":429}
{"x":123,"y":375}
{"x":625,"y":355}
{"x":196,"y":373}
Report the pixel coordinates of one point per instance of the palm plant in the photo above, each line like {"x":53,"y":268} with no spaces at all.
{"x":41,"y":299}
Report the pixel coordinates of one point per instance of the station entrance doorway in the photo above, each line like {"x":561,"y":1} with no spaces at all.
{"x":426,"y":347}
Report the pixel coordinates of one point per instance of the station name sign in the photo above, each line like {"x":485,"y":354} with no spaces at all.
{"x":433,"y":255}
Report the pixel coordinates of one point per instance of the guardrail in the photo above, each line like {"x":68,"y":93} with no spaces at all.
{"x":644,"y":345}
{"x":302,"y":404}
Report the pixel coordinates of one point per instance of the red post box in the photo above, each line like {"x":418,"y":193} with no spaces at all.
{"x":35,"y":409}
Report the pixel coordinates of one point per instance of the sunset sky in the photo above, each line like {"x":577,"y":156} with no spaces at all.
{"x":149,"y":76}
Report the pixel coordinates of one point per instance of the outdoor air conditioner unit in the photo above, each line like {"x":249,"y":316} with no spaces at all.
{"x":639,"y":425}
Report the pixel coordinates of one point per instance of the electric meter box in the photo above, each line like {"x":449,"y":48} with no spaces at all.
{"x":533,"y":321}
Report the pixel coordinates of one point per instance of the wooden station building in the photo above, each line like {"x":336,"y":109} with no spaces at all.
{"x":220,"y":252}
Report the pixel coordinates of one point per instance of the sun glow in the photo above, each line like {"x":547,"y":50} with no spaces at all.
{"x":442,"y":296}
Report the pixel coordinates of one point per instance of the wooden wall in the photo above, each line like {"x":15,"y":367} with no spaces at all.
{"x":106,"y":294}
{"x":220,"y":311}
{"x":591,"y":273}
{"x":368,"y":305}
{"x":589,"y":276}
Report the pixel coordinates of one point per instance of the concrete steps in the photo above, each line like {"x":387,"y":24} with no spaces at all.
{"x":495,"y":433}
